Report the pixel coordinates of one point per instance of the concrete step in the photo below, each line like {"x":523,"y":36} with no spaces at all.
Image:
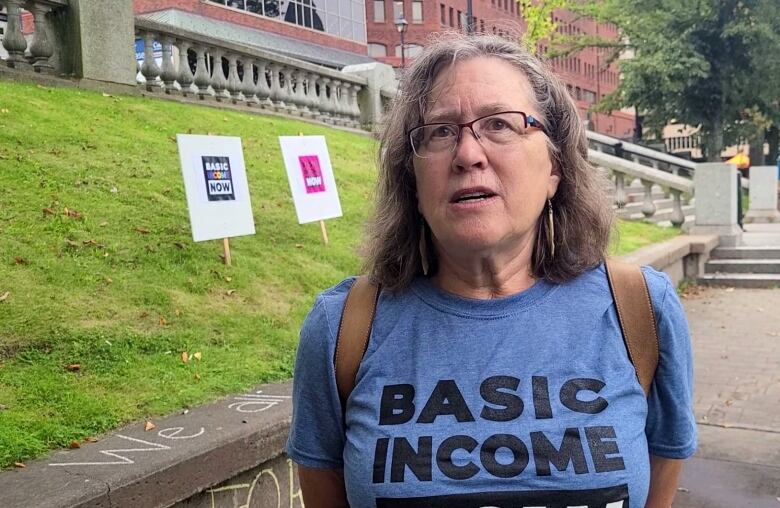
{"x":743,"y":266}
{"x":741,"y":280}
{"x":746,"y":253}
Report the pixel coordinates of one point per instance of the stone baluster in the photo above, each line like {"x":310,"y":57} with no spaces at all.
{"x":678,"y":217}
{"x":233,"y":84}
{"x":620,"y":190}
{"x":14,"y":42}
{"x":326,"y":106}
{"x":648,"y":206}
{"x":300,"y":93}
{"x":311,"y":95}
{"x":277,"y":94}
{"x":334,"y":108}
{"x":248,"y":87}
{"x":344,"y":108}
{"x":292,"y":109}
{"x":149,"y":69}
{"x":185,"y":77}
{"x":354,"y":108}
{"x":168,"y":73}
{"x":263,"y":90}
{"x":202,"y":76}
{"x":218,"y":80}
{"x":41,"y":48}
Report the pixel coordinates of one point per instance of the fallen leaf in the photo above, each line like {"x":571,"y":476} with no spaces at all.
{"x":179,"y":245}
{"x":74,"y":444}
{"x":3,"y":407}
{"x":172,"y":139}
{"x":73,"y":213}
{"x":19,"y":260}
{"x":73,"y":367}
{"x":178,"y":312}
{"x":92,"y":243}
{"x":71,"y":243}
{"x":197,"y":355}
{"x":144,"y":315}
{"x":106,"y":95}
{"x":298,"y":245}
{"x":4,"y":111}
{"x":5,"y":296}
{"x":185,"y":357}
{"x":109,"y":280}
{"x":228,"y":279}
{"x":91,"y":439}
{"x":48,"y":211}
{"x":163,"y":322}
{"x":729,"y":290}
{"x":143,"y":231}
{"x":729,"y":402}
{"x":149,"y":426}
{"x":103,"y":224}
{"x":197,"y":376}
{"x":230,"y":292}
{"x":19,"y":465}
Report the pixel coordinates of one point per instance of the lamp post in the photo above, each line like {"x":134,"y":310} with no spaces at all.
{"x":401,"y":25}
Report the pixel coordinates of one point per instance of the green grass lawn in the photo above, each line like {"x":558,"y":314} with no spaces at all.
{"x":100,"y":271}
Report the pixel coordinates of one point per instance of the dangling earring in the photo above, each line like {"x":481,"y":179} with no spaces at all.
{"x":550,"y":229}
{"x":423,"y":249}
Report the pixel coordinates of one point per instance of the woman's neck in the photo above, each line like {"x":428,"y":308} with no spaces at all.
{"x":485,"y":275}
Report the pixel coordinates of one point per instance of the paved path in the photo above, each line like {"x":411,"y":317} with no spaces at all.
{"x":736,"y":345}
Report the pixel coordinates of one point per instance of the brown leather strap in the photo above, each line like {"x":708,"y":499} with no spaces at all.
{"x":637,"y":319}
{"x":354,"y":331}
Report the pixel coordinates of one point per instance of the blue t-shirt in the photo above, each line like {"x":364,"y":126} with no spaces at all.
{"x":523,"y":401}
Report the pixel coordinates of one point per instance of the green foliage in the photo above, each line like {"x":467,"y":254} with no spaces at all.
{"x":539,"y":20}
{"x":116,"y":286}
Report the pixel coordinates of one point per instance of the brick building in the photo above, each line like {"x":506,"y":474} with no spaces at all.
{"x":586,"y":74}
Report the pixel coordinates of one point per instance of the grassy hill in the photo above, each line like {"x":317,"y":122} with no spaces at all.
{"x":103,"y":289}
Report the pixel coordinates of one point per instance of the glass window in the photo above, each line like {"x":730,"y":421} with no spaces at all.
{"x":410,"y":50}
{"x":379,"y":11}
{"x":460,"y":19}
{"x":417,"y":11}
{"x":452,"y":16}
{"x":398,"y":10}
{"x":376,"y":49}
{"x":443,"y":14}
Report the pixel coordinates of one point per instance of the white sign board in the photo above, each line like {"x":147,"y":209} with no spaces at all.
{"x":311,"y":178}
{"x":216,"y":186}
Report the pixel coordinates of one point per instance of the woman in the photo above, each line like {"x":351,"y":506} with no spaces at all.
{"x":495,"y":374}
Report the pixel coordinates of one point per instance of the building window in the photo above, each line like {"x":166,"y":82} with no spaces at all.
{"x":304,"y":13}
{"x":398,"y":10}
{"x":460,"y":19}
{"x":417,"y":11}
{"x":410,"y":50}
{"x":452,"y":16}
{"x":379,"y":11}
{"x":482,"y":25}
{"x":376,"y":49}
{"x":443,"y":14}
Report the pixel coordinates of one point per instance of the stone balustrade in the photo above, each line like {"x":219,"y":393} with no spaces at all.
{"x":217,"y":70}
{"x":36,"y":53}
{"x":621,"y":168}
{"x":641,"y":154}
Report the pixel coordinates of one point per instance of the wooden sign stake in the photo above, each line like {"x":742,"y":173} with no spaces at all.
{"x":226,"y":246}
{"x":324,"y":232}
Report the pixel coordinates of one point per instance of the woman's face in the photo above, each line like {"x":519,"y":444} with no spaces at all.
{"x":518,"y":178}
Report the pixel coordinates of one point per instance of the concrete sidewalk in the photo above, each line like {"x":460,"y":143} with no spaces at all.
{"x":736,"y":345}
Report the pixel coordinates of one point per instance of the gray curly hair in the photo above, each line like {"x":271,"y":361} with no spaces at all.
{"x":582,"y":215}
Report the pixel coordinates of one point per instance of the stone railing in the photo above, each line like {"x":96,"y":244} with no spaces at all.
{"x":622,"y":169}
{"x":641,"y":155}
{"x":35,"y":54}
{"x":217,"y":70}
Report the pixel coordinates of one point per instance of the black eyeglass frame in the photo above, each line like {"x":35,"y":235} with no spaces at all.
{"x":529,"y":120}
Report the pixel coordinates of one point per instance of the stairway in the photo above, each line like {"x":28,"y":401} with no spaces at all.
{"x":743,"y":267}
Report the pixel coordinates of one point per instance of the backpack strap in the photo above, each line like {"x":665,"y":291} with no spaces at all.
{"x":636,"y":316}
{"x":357,"y":317}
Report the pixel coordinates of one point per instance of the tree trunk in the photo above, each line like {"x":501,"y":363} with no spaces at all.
{"x":712,"y":139}
{"x":773,"y":138}
{"x":756,"y":153}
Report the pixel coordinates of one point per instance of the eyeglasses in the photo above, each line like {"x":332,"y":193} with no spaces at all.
{"x":505,"y":128}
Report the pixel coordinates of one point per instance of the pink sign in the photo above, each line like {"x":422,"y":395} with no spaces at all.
{"x":312,"y":174}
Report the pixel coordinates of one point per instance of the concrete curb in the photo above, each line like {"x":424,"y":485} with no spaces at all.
{"x":185,"y":454}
